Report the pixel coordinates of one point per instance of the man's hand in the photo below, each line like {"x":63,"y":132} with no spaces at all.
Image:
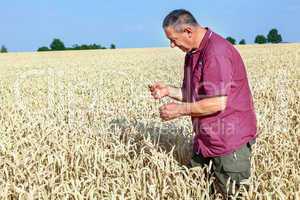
{"x":159,"y":90}
{"x":171,"y":111}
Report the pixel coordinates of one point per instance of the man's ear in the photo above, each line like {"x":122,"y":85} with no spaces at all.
{"x":188,"y":30}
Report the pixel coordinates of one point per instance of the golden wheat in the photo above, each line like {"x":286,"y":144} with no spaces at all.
{"x":82,"y":125}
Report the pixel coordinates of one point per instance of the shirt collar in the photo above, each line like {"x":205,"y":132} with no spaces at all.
{"x":203,"y":43}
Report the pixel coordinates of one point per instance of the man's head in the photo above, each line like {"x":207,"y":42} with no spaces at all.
{"x":181,"y":28}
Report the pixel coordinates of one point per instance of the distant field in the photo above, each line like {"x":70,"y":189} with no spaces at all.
{"x":81,"y":124}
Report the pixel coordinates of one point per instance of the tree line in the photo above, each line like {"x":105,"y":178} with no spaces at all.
{"x":272,"y":37}
{"x":58,"y":45}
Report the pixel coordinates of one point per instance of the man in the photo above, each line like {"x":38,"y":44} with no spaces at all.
{"x":216,"y":94}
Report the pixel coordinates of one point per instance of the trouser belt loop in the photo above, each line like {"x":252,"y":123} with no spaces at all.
{"x":249,"y":144}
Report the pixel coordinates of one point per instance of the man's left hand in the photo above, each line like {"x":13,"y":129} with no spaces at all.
{"x":171,"y":111}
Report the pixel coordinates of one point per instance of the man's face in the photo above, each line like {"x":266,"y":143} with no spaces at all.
{"x":182,"y":40}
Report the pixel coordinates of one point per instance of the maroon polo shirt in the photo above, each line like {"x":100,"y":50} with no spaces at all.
{"x":217,"y":69}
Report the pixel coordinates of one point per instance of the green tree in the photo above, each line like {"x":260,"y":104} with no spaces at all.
{"x":57,"y":45}
{"x":274,"y":36}
{"x":231,"y":40}
{"x":95,"y":46}
{"x":113,"y":46}
{"x":86,"y":47}
{"x":75,"y":47}
{"x":43,"y":49}
{"x":260,"y":39}
{"x":3,"y":49}
{"x":242,"y":42}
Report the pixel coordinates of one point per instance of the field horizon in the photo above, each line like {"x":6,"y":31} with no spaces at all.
{"x":237,"y":45}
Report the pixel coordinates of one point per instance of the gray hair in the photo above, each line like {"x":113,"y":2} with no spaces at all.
{"x":177,"y":18}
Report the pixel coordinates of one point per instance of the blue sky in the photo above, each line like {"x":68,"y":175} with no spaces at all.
{"x":27,"y":25}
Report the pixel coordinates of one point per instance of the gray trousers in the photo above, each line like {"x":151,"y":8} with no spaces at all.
{"x":230,"y":172}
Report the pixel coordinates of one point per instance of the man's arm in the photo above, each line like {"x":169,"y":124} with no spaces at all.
{"x":218,"y":79}
{"x":204,"y":107}
{"x":201,"y":108}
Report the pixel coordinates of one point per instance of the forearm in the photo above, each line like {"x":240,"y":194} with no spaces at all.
{"x":175,"y":93}
{"x":204,"y":107}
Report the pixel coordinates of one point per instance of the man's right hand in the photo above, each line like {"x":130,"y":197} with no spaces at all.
{"x":159,"y":90}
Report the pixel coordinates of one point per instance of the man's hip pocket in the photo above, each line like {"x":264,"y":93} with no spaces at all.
{"x":237,"y":161}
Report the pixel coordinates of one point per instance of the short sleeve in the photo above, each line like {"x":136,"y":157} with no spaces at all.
{"x":217,"y":76}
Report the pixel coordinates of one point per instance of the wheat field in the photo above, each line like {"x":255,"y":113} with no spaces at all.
{"x":82,"y":125}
